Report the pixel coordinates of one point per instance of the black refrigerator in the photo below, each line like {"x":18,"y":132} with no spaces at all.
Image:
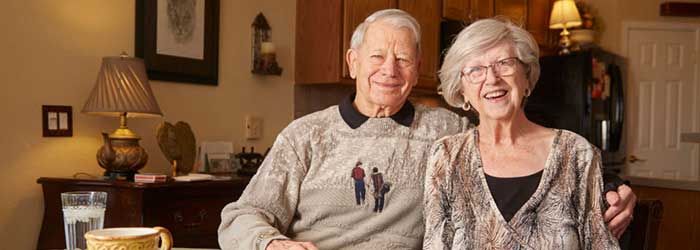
{"x":584,"y":92}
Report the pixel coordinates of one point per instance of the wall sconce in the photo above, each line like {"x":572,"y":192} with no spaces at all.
{"x":564,"y":15}
{"x":264,"y":52}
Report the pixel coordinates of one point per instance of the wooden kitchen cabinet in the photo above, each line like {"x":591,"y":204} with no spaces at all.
{"x":319,"y":33}
{"x":516,"y":10}
{"x":532,"y":14}
{"x":427,"y":13}
{"x":467,"y":10}
{"x":538,"y":12}
{"x":190,"y":210}
{"x":456,"y":9}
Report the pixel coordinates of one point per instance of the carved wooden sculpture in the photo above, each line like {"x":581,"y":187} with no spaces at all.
{"x":179,"y":146}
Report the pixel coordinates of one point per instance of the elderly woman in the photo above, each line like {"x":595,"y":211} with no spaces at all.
{"x":508,"y":183}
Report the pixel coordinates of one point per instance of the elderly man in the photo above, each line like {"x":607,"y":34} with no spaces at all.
{"x":303,"y":198}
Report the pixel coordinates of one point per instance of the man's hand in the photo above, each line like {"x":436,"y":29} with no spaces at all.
{"x":619,"y":214}
{"x":291,"y":245}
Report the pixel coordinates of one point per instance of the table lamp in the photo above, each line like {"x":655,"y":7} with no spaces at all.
{"x":122,"y":90}
{"x":564,"y":15}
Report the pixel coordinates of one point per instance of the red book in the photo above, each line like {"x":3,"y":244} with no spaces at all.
{"x":150,"y":178}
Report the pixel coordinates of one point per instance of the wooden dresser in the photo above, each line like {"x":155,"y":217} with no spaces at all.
{"x":190,"y":210}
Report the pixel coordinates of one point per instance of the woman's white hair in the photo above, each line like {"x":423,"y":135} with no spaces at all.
{"x":475,"y":40}
{"x":395,"y":17}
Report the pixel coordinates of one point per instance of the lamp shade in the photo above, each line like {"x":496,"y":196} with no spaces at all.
{"x":564,"y":15}
{"x":122,"y":87}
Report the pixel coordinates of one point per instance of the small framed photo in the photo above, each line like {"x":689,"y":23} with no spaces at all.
{"x":221,"y":163}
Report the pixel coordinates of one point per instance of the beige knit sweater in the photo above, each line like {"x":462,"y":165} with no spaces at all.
{"x":304,"y":190}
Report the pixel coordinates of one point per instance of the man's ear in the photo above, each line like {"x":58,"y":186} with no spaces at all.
{"x":418,"y":63}
{"x":351,"y":59}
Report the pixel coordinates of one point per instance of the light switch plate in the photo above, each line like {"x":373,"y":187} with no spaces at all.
{"x":253,"y":127}
{"x":57,"y":121}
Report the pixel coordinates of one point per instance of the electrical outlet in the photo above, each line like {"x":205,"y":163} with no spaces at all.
{"x":253,"y":127}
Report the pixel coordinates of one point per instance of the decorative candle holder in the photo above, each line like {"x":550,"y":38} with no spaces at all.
{"x":264,"y":52}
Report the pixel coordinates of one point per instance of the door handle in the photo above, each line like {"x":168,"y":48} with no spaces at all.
{"x":634,"y":159}
{"x":690,"y":137}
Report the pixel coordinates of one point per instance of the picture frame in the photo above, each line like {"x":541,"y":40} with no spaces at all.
{"x":179,"y":41}
{"x":218,"y":150}
{"x":221,"y":164}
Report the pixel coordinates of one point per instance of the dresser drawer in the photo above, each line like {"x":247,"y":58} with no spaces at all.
{"x":189,"y":220}
{"x":192,"y":216}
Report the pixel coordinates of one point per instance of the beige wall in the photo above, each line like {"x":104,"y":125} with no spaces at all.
{"x":614,"y":12}
{"x":50,"y":53}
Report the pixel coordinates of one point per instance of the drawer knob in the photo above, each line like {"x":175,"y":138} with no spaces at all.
{"x":201,"y":216}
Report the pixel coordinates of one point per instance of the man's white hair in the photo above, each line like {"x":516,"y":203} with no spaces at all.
{"x":395,"y":17}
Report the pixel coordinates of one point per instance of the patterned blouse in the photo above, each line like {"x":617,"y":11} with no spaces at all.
{"x":565,"y":212}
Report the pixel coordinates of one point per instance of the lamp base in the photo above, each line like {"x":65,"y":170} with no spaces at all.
{"x":564,"y":42}
{"x":121,"y":158}
{"x":564,"y":51}
{"x":120,"y":176}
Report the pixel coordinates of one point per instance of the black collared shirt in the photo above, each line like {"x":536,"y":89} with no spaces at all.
{"x":355,"y":119}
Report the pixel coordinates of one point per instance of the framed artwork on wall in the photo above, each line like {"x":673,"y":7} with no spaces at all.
{"x":179,"y":39}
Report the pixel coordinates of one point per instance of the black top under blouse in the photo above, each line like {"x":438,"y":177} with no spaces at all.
{"x":511,"y":193}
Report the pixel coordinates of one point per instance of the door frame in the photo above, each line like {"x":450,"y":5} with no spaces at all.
{"x":630,"y":116}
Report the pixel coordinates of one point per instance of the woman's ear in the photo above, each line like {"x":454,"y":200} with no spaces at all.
{"x":351,"y":59}
{"x":464,"y":97}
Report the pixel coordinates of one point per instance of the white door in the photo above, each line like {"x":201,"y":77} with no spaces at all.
{"x":662,"y":100}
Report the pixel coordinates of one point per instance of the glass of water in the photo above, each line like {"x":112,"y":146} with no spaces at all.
{"x":83,"y":211}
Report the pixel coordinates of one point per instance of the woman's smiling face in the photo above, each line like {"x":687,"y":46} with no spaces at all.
{"x":496,"y":97}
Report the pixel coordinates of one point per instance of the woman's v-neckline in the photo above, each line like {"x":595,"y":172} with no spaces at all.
{"x":483,"y":186}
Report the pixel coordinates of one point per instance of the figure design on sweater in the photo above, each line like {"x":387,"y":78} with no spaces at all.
{"x":358,"y":175}
{"x":380,"y":189}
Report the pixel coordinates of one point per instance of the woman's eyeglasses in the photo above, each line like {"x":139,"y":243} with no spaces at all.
{"x":477,"y":74}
